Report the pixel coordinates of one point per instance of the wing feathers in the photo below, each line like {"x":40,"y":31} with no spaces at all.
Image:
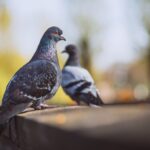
{"x":79,"y":85}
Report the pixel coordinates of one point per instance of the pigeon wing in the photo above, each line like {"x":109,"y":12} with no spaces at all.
{"x":33,"y":81}
{"x":74,"y":78}
{"x":72,"y":74}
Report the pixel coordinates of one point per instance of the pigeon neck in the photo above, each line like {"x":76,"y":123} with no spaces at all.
{"x":73,"y":60}
{"x":46,"y":50}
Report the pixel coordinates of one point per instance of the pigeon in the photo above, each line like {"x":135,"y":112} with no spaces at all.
{"x":77,"y":81}
{"x":36,"y":81}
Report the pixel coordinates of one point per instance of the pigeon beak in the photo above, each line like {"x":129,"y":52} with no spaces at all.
{"x":62,"y":38}
{"x":64,"y":51}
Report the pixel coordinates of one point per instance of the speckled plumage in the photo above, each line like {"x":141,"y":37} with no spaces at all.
{"x":36,"y":81}
{"x":77,"y":82}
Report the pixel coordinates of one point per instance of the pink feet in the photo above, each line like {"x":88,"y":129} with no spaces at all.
{"x":40,"y":106}
{"x":43,"y":106}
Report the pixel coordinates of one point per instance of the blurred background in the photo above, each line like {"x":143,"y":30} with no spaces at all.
{"x":113,"y":37}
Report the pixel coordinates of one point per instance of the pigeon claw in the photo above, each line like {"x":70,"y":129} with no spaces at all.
{"x":40,"y":106}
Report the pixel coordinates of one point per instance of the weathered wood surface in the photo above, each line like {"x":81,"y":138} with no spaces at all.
{"x":121,"y":127}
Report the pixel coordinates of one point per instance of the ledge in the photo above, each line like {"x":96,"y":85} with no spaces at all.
{"x":79,"y":127}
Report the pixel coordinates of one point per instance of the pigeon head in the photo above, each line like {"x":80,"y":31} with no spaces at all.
{"x":70,"y":49}
{"x":54,"y":33}
{"x":74,"y":58}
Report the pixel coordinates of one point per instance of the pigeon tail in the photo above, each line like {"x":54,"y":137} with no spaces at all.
{"x":91,"y":99}
{"x":94,"y":97}
{"x":99,"y":100}
{"x":90,"y":95}
{"x":2,"y":120}
{"x":10,"y":110}
{"x":2,"y":128}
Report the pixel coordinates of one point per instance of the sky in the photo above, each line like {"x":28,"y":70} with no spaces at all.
{"x":120,"y":32}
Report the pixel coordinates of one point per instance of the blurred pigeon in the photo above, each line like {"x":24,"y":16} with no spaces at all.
{"x":77,"y":82}
{"x":36,"y":81}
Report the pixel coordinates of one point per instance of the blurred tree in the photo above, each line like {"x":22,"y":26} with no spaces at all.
{"x":5,"y":38}
{"x":4,"y":18}
{"x":10,"y":62}
{"x":145,"y":9}
{"x":85,"y":53}
{"x":88,"y":28}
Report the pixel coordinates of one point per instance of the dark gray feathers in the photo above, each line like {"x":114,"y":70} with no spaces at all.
{"x":79,"y":85}
{"x":36,"y":81}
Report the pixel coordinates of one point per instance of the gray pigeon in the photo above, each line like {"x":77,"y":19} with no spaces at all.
{"x":77,"y":82}
{"x":36,"y":81}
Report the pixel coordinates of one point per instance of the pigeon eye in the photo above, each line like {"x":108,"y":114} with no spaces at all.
{"x":55,"y":32}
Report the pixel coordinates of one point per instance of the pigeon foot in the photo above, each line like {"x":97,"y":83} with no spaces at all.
{"x":41,"y":106}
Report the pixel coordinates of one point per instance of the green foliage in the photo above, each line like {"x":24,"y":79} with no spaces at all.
{"x":10,"y":62}
{"x":4,"y":18}
{"x":61,"y":97}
